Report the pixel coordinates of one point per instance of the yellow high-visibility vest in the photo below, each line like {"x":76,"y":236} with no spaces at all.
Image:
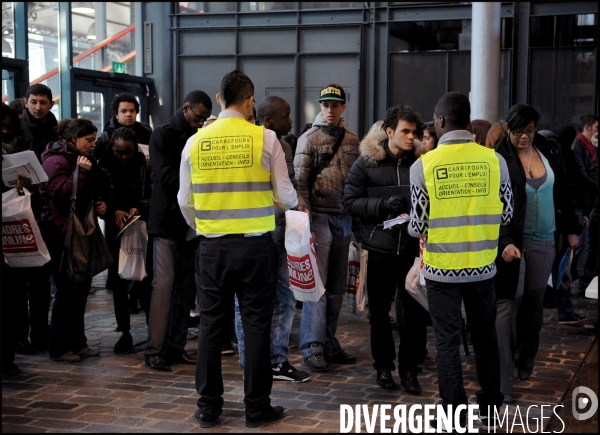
{"x":232,"y":191}
{"x":465,"y":211}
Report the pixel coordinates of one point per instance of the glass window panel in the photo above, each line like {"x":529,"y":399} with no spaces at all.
{"x":206,"y":7}
{"x":90,"y":105}
{"x":331,"y":5}
{"x":8,"y":25}
{"x":8,"y":86}
{"x":42,"y":22}
{"x":104,"y":35}
{"x":266,"y":6}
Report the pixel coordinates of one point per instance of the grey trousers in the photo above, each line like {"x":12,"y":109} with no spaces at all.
{"x":519,"y":321}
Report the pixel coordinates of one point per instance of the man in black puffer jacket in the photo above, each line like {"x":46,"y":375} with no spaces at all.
{"x":385,"y":160}
{"x":173,"y":287}
{"x":125,"y":108}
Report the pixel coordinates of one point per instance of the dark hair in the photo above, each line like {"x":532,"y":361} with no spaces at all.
{"x":76,"y":127}
{"x":198,"y":97}
{"x":430,"y":127}
{"x":124,"y":97}
{"x":455,"y":108}
{"x":565,"y":136}
{"x":520,"y":115}
{"x":480,"y":128}
{"x":268,"y":106}
{"x":404,"y":112}
{"x":14,"y":117}
{"x":235,"y":88}
{"x":123,"y":133}
{"x":38,"y":89}
{"x":588,"y":120}
{"x":18,"y":105}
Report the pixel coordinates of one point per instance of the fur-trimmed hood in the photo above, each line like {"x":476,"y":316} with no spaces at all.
{"x":370,"y":147}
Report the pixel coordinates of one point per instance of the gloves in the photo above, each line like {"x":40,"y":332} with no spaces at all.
{"x":393,"y":204}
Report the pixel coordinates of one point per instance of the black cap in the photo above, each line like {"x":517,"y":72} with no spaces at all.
{"x":333,"y":93}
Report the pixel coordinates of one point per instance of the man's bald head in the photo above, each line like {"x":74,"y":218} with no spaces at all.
{"x":274,"y":113}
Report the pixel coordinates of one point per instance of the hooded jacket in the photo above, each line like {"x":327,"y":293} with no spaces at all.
{"x":166,"y":144}
{"x":585,"y":175}
{"x":317,"y":142}
{"x":35,"y":135}
{"x":142,"y":134}
{"x":377,"y":167}
{"x":59,"y":161}
{"x":507,"y":275}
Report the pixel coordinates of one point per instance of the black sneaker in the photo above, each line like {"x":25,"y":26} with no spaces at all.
{"x":286,"y":372}
{"x":205,"y":420}
{"x":572,"y":319}
{"x":276,"y":413}
{"x":316,"y":363}
{"x":385,"y":379}
{"x":125,"y":343}
{"x":227,"y":348}
{"x":25,"y":348}
{"x":339,"y":356}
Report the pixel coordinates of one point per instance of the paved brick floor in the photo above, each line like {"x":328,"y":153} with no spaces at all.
{"x":118,"y":393}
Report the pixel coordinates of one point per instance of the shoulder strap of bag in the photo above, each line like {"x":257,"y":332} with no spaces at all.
{"x":74,"y":191}
{"x":326,"y":160}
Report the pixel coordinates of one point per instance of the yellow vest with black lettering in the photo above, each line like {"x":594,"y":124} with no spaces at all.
{"x":465,"y":211}
{"x":232,"y":191}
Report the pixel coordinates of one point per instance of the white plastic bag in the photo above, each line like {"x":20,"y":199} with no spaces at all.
{"x":305,"y":281}
{"x":415,"y":282}
{"x":132,"y":254}
{"x":22,"y":241}
{"x":353,"y":281}
{"x":361,"y":290}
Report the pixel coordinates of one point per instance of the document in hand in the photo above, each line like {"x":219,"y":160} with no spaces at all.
{"x":24,"y":163}
{"x":129,"y":221}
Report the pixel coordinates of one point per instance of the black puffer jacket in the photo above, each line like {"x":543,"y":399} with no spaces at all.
{"x":376,"y":167}
{"x":166,"y":144}
{"x":142,"y":135}
{"x":566,"y":220}
{"x":325,"y":196}
{"x":35,"y":135}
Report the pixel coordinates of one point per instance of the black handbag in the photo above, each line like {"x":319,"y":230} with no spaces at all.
{"x":86,"y":252}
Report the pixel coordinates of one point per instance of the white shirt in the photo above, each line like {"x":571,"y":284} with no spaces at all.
{"x":273,"y":160}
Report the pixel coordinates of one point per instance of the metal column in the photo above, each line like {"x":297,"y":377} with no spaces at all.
{"x":485,"y":50}
{"x":68,"y":102}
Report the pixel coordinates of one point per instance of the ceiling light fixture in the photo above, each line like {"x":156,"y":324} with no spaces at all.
{"x":91,"y":33}
{"x":83,"y":7}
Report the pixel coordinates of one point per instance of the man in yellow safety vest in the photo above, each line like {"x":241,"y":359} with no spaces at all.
{"x":461,"y":194}
{"x":232,"y":176}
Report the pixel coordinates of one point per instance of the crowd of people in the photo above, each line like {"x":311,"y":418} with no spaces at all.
{"x":490,"y":201}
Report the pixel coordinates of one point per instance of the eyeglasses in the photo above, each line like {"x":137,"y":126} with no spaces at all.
{"x":520,"y":133}
{"x":199,"y":118}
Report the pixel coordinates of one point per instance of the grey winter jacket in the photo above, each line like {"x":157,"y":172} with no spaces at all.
{"x":328,"y":189}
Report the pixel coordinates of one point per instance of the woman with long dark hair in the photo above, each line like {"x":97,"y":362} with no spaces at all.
{"x":67,"y":341}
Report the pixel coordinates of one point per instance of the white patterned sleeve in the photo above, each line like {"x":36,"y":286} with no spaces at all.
{"x":419,"y":197}
{"x":506,"y":195}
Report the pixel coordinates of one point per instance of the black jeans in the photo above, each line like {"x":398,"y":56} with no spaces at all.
{"x":246,"y":267}
{"x":33,"y":304}
{"x":10,"y":287}
{"x":173,"y":289}
{"x":445,"y":309}
{"x":385,"y":272}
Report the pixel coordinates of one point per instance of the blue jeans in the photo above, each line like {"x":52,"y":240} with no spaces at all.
{"x":281,"y":322}
{"x":319,"y":319}
{"x":173,"y":291}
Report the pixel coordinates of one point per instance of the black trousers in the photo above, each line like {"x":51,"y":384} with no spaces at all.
{"x":10,"y":287}
{"x":480,"y":305}
{"x":246,"y":267}
{"x":385,"y":272}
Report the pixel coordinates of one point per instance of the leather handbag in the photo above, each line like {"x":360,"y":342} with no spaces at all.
{"x":86,"y":252}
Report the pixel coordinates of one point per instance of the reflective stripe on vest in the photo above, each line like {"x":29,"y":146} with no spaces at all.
{"x":465,"y":211}
{"x":232,"y":191}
